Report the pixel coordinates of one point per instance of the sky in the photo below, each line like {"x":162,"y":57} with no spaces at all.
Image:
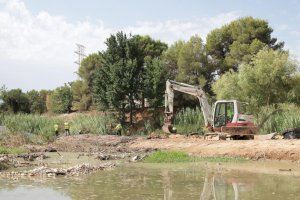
{"x":38,"y":37}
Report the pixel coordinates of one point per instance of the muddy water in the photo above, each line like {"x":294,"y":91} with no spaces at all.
{"x":160,"y":181}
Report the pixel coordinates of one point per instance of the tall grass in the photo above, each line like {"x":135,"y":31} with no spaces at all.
{"x":31,"y":125}
{"x":92,"y":124}
{"x":40,"y":129}
{"x":189,"y":120}
{"x":287,"y":116}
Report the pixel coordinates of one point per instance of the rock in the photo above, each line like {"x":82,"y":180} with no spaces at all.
{"x":50,"y":149}
{"x":135,"y":158}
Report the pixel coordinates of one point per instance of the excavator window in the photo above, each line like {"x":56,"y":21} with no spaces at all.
{"x":224,"y":113}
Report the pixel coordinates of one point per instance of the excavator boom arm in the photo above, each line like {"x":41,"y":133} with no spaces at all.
{"x":172,"y":86}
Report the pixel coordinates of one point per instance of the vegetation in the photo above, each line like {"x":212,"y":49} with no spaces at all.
{"x":31,"y":126}
{"x":168,"y":157}
{"x":119,"y":83}
{"x":241,"y":60}
{"x":10,"y":150}
{"x":178,"y":156}
{"x":92,"y":124}
{"x":189,"y":120}
{"x":60,"y":100}
{"x":268,"y":79}
{"x":284,"y":116}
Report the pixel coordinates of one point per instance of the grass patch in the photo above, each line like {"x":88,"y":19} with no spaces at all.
{"x":11,"y":150}
{"x":178,"y":156}
{"x":168,"y":157}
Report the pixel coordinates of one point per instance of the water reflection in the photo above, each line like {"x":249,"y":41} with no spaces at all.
{"x":170,"y":182}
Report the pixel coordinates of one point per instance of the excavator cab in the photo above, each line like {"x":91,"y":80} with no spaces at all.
{"x":229,"y":116}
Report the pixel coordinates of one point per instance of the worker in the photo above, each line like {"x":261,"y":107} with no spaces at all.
{"x":56,"y":129}
{"x":67,"y":128}
{"x":118,"y":129}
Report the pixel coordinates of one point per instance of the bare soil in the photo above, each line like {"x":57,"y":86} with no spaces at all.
{"x":252,"y":149}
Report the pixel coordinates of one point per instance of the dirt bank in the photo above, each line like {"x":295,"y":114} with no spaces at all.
{"x":253,"y":149}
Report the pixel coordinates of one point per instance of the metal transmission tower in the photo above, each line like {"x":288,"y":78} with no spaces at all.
{"x":80,"y":52}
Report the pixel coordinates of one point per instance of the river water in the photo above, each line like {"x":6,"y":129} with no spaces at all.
{"x":159,"y":181}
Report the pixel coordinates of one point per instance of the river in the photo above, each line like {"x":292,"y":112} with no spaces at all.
{"x":159,"y":181}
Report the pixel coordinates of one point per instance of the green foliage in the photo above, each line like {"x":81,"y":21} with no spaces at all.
{"x":177,"y":156}
{"x":61,"y":100}
{"x":155,"y":80}
{"x":92,"y":124}
{"x":192,"y":63}
{"x":268,"y":79}
{"x":15,"y":101}
{"x":168,"y":157}
{"x":188,"y":62}
{"x":189,"y":121}
{"x":11,"y":150}
{"x":31,"y":125}
{"x":88,"y":66}
{"x":287,"y":116}
{"x":237,"y":42}
{"x":120,"y":80}
{"x":82,"y":99}
{"x":37,"y":101}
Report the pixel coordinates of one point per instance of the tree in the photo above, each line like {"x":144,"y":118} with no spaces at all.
{"x":37,"y":101}
{"x":117,"y":81}
{"x":120,"y":82}
{"x":155,"y":80}
{"x":60,"y":100}
{"x":170,"y":58}
{"x":82,"y":99}
{"x":88,"y":67}
{"x":268,"y":79}
{"x":238,"y":42}
{"x":15,"y":101}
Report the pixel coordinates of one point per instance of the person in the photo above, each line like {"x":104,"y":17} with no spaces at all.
{"x":56,"y":129}
{"x":67,"y":128}
{"x":118,"y":129}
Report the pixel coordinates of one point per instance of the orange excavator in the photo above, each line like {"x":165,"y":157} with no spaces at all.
{"x":226,"y":120}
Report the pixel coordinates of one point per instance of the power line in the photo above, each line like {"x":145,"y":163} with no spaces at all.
{"x":80,"y":52}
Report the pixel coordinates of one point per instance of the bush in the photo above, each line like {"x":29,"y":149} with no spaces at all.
{"x":189,"y":120}
{"x":92,"y":124}
{"x":284,"y":116}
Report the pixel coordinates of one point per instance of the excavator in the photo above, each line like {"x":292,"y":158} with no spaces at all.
{"x":226,"y":120}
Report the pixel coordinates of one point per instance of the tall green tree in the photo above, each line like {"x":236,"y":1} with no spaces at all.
{"x":82,"y":98}
{"x":117,"y":81}
{"x":37,"y":101}
{"x":15,"y":101}
{"x":238,"y":42}
{"x":270,"y":78}
{"x":120,"y":82}
{"x":60,"y":100}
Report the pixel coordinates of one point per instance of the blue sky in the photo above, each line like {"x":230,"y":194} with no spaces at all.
{"x":37,"y":37}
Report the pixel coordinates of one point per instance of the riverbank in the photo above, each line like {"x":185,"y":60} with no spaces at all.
{"x":79,"y":154}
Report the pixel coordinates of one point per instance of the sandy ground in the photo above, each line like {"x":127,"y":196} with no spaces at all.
{"x":253,"y":149}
